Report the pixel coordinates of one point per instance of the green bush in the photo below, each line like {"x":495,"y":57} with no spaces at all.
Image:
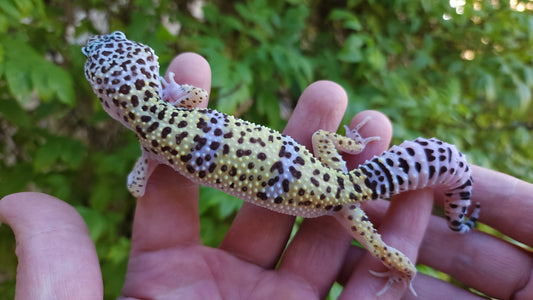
{"x":463,"y":74}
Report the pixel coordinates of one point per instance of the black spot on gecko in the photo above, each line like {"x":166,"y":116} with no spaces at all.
{"x":199,"y":161}
{"x":232,"y":171}
{"x":284,"y":153}
{"x":241,"y":152}
{"x":404,"y":165}
{"x":442,"y":170}
{"x":429,"y":154}
{"x":181,"y":136}
{"x":214,"y":145}
{"x":273,"y":181}
{"x":186,"y":158}
{"x":139,"y":84}
{"x":285,"y":184}
{"x":124,"y":89}
{"x":134,"y":100}
{"x":431,"y":171}
{"x":295,"y":173}
{"x":153,"y":127}
{"x":161,"y":114}
{"x":165,"y":132}
{"x":262,"y":196}
{"x":277,"y":166}
{"x":200,"y":142}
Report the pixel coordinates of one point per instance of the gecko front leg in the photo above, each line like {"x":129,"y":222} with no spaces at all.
{"x":181,"y":95}
{"x":325,"y":145}
{"x":138,"y":177}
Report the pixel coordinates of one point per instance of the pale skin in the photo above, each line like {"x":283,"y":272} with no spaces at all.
{"x":57,"y":258}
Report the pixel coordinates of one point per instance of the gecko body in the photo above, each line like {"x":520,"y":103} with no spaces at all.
{"x":263,"y":166}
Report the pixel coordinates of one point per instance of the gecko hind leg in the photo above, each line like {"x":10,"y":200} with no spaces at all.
{"x":401,"y":269}
{"x":181,"y":95}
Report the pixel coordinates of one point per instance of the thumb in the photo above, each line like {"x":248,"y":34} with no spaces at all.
{"x":56,"y":256}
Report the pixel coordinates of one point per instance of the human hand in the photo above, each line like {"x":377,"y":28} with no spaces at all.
{"x":167,"y":258}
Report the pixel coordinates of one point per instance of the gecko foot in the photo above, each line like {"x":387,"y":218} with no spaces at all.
{"x":172,"y":91}
{"x":356,"y":136}
{"x":181,"y":95}
{"x":393,"y":277}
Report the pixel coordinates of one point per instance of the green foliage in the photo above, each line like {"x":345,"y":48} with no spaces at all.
{"x":462,"y":74}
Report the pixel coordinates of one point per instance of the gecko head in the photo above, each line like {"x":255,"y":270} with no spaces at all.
{"x":123,"y":74}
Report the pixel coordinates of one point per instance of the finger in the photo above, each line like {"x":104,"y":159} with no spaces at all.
{"x":56,"y":256}
{"x":192,"y":69}
{"x":481,"y":261}
{"x":317,"y":251}
{"x":504,"y":200}
{"x":428,"y":287}
{"x":403,"y":228}
{"x":167,"y":215}
{"x":425,"y":286}
{"x":259,"y":235}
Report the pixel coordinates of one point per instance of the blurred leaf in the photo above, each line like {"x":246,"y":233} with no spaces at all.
{"x":352,"y":48}
{"x":350,"y":19}
{"x":96,"y":222}
{"x":9,"y":9}
{"x":59,"y":150}
{"x":12,"y":112}
{"x":26,"y":70}
{"x":15,"y":179}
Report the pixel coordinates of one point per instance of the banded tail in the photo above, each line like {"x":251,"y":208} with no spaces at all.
{"x":425,"y":163}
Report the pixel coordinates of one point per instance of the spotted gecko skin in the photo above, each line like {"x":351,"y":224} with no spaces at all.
{"x":265,"y":167}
